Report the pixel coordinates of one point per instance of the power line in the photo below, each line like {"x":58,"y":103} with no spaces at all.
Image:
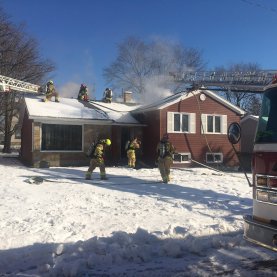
{"x":254,"y":3}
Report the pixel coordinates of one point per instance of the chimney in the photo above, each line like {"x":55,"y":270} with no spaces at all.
{"x":127,"y":96}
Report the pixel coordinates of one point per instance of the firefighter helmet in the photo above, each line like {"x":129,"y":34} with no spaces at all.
{"x":108,"y":142}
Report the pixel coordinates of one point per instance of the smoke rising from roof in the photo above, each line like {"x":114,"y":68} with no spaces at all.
{"x":69,"y":90}
{"x":155,"y":89}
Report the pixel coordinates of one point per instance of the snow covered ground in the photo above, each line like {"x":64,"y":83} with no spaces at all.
{"x":130,"y":225}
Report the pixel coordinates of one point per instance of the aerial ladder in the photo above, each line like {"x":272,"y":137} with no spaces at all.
{"x":8,"y":84}
{"x":252,"y":81}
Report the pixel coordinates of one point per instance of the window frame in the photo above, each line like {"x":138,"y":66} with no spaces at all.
{"x":182,"y":154}
{"x":171,"y":122}
{"x":17,"y":132}
{"x":217,"y":161}
{"x":223,"y":124}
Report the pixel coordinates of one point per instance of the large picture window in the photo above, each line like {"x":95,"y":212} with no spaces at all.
{"x":61,"y":137}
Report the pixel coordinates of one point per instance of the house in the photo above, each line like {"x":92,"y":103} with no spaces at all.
{"x":196,"y":121}
{"x":197,"y":124}
{"x":59,"y":134}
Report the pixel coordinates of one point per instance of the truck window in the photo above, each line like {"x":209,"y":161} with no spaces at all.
{"x":267,"y":126}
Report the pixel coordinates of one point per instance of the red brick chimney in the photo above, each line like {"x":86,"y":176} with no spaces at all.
{"x":127,"y":96}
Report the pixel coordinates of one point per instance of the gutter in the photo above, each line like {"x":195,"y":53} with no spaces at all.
{"x":57,"y":120}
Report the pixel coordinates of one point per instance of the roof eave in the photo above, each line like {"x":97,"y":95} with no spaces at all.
{"x":53,"y":120}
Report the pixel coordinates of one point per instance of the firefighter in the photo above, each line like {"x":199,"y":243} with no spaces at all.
{"x":97,"y":159}
{"x":133,"y":145}
{"x":83,"y":93}
{"x":108,"y":95}
{"x":51,"y":91}
{"x":165,"y":151}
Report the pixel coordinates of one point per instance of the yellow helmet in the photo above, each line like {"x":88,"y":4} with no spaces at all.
{"x":108,"y":142}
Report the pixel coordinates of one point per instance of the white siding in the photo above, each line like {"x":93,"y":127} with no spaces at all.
{"x":170,"y":122}
{"x":192,"y":128}
{"x":204,"y":124}
{"x":223,"y":124}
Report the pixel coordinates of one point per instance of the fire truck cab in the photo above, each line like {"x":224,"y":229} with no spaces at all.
{"x":261,"y":226}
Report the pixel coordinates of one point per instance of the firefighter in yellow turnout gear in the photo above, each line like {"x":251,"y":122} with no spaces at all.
{"x":98,"y":159}
{"x":108,"y":95}
{"x":83,"y":93}
{"x":165,"y":151}
{"x":131,"y":152}
{"x":51,"y":91}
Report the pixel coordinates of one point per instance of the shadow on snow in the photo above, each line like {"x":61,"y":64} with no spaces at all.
{"x":141,"y":254}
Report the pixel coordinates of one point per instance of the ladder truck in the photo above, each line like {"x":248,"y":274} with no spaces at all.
{"x":261,"y":226}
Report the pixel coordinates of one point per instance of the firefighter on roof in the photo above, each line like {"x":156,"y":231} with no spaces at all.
{"x":108,"y":95}
{"x":51,"y":91}
{"x":83,"y":93}
{"x":132,"y":146}
{"x":97,"y":159}
{"x":165,"y":151}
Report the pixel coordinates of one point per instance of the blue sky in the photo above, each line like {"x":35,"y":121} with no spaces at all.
{"x":81,"y":37}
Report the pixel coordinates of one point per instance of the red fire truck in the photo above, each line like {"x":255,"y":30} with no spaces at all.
{"x":261,"y":226}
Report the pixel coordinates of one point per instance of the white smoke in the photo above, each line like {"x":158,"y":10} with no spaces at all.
{"x":69,"y":90}
{"x":155,"y":89}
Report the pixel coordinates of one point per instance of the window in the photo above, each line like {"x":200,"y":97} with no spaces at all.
{"x":267,"y":127}
{"x":214,"y":124}
{"x":17,"y":133}
{"x":180,"y":122}
{"x":214,"y":157}
{"x":182,"y":158}
{"x":61,"y":137}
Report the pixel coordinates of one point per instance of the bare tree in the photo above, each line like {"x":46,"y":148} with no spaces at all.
{"x":138,"y":62}
{"x":19,"y":59}
{"x":253,"y":106}
{"x":250,"y":102}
